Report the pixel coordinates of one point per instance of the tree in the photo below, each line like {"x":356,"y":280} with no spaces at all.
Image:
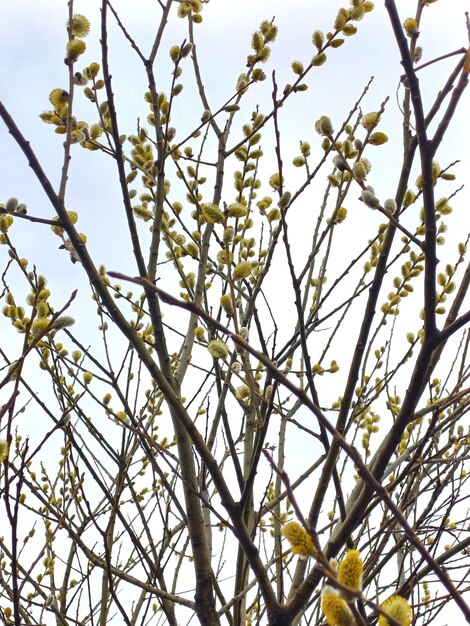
{"x":264,"y":420}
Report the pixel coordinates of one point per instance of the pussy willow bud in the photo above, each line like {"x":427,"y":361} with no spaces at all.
{"x":370,"y":199}
{"x":323,"y":126}
{"x":390,"y":205}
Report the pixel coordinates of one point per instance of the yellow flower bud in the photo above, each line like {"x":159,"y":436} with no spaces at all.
{"x":359,"y":171}
{"x":399,"y":609}
{"x":336,"y":610}
{"x":318,"y":38}
{"x":199,"y":333}
{"x":349,"y":30}
{"x":300,"y":540}
{"x":323,"y":126}
{"x":80,"y":26}
{"x":318,"y":59}
{"x":212,"y":213}
{"x":273,"y":215}
{"x":350,"y":570}
{"x":357,"y":12}
{"x":96,"y":131}
{"x":175,"y":52}
{"x":75,"y":47}
{"x":334,"y":367}
{"x":297,"y":67}
{"x":218,"y":349}
{"x":409,"y":198}
{"x":275,"y":181}
{"x":4,"y":449}
{"x":341,"y":19}
{"x":243,"y":393}
{"x":370,"y":120}
{"x":39,"y":326}
{"x":284,"y":200}
{"x":258,"y":75}
{"x":242,"y":270}
{"x":410,"y":26}
{"x":226,"y":303}
{"x":224,"y":257}
{"x":337,"y":43}
{"x":5,"y":222}
{"x":58,"y":98}
{"x":92,"y":70}
{"x":377,"y":139}
{"x":237,"y":209}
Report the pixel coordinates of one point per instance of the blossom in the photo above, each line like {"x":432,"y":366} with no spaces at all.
{"x":242,"y":270}
{"x":336,"y":611}
{"x":299,"y":539}
{"x":80,"y":25}
{"x":397,"y":608}
{"x":217,"y":349}
{"x":4,"y":449}
{"x":350,"y":570}
{"x":212,"y":213}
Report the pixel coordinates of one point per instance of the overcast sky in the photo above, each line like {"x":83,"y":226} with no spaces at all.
{"x":32,"y":52}
{"x":32,"y":44}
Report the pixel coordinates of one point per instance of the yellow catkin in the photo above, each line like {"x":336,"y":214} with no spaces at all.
{"x":217,"y":349}
{"x":299,"y":539}
{"x":397,"y":608}
{"x":350,"y":570}
{"x":4,"y":449}
{"x":336,"y":610}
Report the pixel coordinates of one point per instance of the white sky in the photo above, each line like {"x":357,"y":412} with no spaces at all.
{"x":32,"y":42}
{"x":32,"y":53}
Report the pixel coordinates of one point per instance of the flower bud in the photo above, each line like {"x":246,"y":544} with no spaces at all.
{"x":226,"y":303}
{"x":11,"y":204}
{"x":336,"y":611}
{"x":218,"y":349}
{"x":242,"y":270}
{"x":79,"y":25}
{"x":370,"y":199}
{"x":323,"y":126}
{"x":212,"y":213}
{"x":4,"y":449}
{"x":319,"y":59}
{"x":300,"y":540}
{"x":75,"y":47}
{"x":350,"y":570}
{"x":390,"y":205}
{"x":399,"y":609}
{"x":284,"y":200}
{"x":410,"y":26}
{"x":317,"y":39}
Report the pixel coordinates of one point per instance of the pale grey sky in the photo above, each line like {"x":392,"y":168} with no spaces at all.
{"x":32,"y":43}
{"x":32,"y":51}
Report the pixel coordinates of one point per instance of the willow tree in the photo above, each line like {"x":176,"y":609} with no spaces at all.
{"x":264,"y":421}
